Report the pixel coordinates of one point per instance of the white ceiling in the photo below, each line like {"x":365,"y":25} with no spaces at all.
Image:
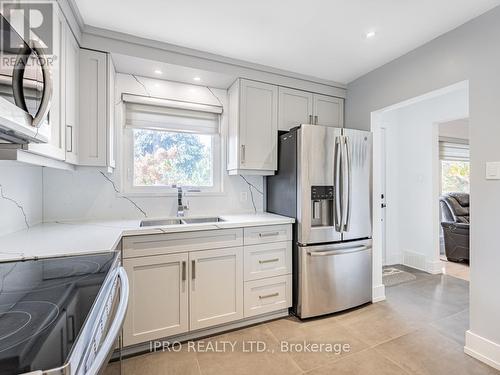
{"x":320,"y":38}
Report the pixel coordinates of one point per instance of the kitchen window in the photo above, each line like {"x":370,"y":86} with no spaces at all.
{"x":171,"y":143}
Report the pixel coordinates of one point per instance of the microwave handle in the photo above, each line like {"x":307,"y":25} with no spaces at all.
{"x":17,"y":82}
{"x":43,"y":109}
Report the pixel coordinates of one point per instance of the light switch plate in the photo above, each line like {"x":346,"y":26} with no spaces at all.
{"x":493,"y":170}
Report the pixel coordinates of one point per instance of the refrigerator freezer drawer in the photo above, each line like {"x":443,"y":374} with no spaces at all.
{"x":334,"y":277}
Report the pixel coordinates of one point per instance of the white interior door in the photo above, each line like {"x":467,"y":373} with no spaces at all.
{"x":383,"y":193}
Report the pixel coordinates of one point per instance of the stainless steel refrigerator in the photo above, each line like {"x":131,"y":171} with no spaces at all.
{"x":324,"y":181}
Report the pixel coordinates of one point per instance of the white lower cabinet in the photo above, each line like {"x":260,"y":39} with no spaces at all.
{"x":202,"y":280}
{"x":216,"y":286}
{"x":158,"y":303}
{"x":268,"y":295}
{"x":268,"y":260}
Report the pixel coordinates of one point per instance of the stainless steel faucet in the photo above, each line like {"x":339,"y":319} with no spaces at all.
{"x":181,"y":207}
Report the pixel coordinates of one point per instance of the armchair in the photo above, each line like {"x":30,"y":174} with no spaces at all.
{"x":455,"y":224}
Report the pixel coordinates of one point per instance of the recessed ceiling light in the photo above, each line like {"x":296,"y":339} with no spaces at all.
{"x":197,"y":79}
{"x":158,"y":71}
{"x":370,"y":34}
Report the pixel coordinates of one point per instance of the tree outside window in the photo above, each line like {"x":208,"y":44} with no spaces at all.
{"x":165,"y":158}
{"x":455,"y":176}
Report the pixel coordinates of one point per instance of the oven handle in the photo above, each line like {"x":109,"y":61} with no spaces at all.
{"x":114,"y":330}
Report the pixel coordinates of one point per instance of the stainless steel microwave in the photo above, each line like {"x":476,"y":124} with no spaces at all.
{"x":25,"y":88}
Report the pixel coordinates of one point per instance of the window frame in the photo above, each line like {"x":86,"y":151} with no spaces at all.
{"x":128,"y":167}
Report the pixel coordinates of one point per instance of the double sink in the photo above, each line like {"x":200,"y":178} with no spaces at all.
{"x":187,"y":220}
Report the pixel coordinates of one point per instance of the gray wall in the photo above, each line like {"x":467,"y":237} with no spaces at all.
{"x":470,"y":52}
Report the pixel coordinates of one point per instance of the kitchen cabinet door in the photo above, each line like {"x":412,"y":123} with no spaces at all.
{"x":92,"y":110}
{"x":295,"y":108}
{"x":110,"y":97}
{"x":71,"y":96}
{"x":216,"y":287}
{"x":329,"y":110}
{"x":253,"y":128}
{"x":158,"y":301}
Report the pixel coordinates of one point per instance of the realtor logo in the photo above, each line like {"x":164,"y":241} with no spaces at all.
{"x":32,"y":20}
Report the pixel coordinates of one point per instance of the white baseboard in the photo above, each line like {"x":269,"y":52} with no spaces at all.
{"x":378,"y":293}
{"x":434,"y":267}
{"x":482,"y":349}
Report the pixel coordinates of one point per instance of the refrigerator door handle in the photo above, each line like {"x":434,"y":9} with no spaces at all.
{"x":338,"y":252}
{"x":337,"y":209}
{"x":346,"y":182}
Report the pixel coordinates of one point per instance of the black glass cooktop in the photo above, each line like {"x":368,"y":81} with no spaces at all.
{"x":43,"y":305}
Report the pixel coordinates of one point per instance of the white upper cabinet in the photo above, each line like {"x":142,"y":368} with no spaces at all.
{"x":110,"y":97}
{"x":71,"y":87}
{"x":253,"y":128}
{"x":295,"y":108}
{"x":328,"y":111}
{"x":95,"y":130}
{"x":301,"y":107}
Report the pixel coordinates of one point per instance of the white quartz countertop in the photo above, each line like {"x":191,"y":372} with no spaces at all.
{"x":76,"y":238}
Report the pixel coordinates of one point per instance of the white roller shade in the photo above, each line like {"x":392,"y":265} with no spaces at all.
{"x":168,"y":115}
{"x":453,"y":151}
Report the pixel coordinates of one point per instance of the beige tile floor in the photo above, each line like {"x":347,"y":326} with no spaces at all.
{"x":419,"y":329}
{"x":460,"y":270}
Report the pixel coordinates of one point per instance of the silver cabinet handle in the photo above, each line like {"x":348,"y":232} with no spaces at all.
{"x":316,"y":120}
{"x":193,"y":268}
{"x":243,"y":152}
{"x":268,"y":260}
{"x":269,"y":295}
{"x":269,"y":234}
{"x":311,"y":119}
{"x":71,"y":323}
{"x":70,"y":149}
{"x":183,"y":270}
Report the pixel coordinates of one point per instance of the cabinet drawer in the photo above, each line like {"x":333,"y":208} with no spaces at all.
{"x":267,"y":295}
{"x":268,"y":260}
{"x":266,"y":234}
{"x":157,"y":244}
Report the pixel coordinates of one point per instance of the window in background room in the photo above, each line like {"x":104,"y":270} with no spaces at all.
{"x":168,"y":146}
{"x":455,"y":167}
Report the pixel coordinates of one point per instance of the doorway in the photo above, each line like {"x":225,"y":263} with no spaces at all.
{"x":407,"y":179}
{"x":454,"y":186}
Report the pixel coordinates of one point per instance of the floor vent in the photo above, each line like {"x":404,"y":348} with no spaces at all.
{"x":414,"y":260}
